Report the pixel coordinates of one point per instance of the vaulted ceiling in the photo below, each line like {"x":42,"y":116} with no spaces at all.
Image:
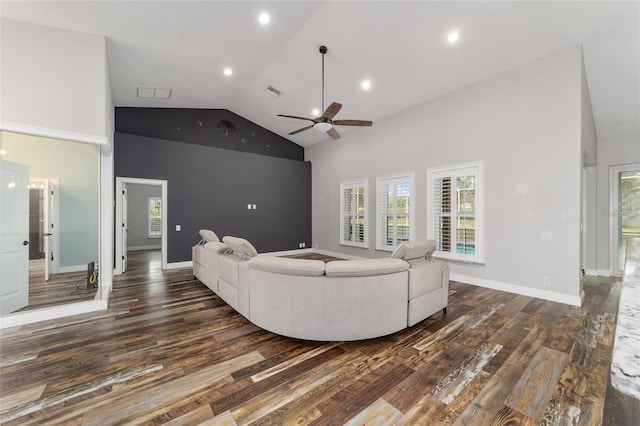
{"x":400,"y":47}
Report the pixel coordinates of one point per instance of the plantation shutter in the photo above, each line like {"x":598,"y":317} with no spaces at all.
{"x":353,"y":210}
{"x":454,"y":218}
{"x":394,"y":211}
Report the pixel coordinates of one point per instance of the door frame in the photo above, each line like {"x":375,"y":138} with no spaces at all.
{"x":52,"y":216}
{"x":119,"y":252}
{"x":614,"y":214}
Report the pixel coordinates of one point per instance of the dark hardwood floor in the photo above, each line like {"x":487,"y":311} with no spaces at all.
{"x":61,"y":288}
{"x":169,"y":351}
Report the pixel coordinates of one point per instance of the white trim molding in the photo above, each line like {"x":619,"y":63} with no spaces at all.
{"x":52,"y":312}
{"x":517,"y":289}
{"x":27,"y":129}
{"x":178,"y":265}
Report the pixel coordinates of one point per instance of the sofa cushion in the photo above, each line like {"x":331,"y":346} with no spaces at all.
{"x":216,"y":247}
{"x":414,"y":249}
{"x":365,"y":267}
{"x":240,"y":246}
{"x":208,"y":235}
{"x":283,"y":265}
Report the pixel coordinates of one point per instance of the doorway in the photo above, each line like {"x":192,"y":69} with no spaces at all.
{"x":624,"y":211}
{"x":155,"y":227}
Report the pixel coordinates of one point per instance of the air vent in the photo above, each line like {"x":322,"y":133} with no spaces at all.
{"x":273,"y":91}
{"x":153,"y":92}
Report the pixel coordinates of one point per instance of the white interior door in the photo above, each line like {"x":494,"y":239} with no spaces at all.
{"x":14,"y":236}
{"x":125,"y":229}
{"x":49,"y":228}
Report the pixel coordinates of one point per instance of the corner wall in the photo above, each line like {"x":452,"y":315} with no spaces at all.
{"x":526,"y":126}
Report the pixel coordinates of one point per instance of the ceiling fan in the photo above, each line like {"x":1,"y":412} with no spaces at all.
{"x":325,"y":122}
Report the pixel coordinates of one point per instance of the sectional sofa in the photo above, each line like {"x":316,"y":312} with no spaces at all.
{"x":314,"y":300}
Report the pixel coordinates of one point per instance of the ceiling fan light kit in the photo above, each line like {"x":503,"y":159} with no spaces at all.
{"x":325,"y":122}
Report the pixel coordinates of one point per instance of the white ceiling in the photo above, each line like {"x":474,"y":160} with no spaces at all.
{"x":400,"y":46}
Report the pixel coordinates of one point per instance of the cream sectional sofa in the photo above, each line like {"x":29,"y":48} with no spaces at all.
{"x":336,"y":301}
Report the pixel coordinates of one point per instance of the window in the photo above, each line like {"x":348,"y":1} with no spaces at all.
{"x":155,"y":217}
{"x":455,"y":214}
{"x":353,"y":207}
{"x":395,"y":211}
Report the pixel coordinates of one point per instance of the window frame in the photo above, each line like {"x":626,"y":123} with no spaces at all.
{"x":408,"y":177}
{"x":150,"y":218}
{"x":350,"y":185}
{"x":473,"y":168}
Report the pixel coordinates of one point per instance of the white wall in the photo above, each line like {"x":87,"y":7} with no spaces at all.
{"x":55,"y":83}
{"x":526,"y":126}
{"x":618,"y":150}
{"x":53,"y":78}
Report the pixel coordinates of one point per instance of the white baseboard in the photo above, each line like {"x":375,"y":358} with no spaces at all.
{"x":178,"y":265}
{"x":591,"y":272}
{"x":141,"y":248}
{"x":52,"y":312}
{"x":73,"y":268}
{"x":525,"y":291}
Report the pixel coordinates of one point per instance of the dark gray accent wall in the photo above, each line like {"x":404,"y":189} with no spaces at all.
{"x":217,"y":128}
{"x":211,"y":187}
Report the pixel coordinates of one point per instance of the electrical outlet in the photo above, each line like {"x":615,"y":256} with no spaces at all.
{"x":248,"y":206}
{"x":254,"y":206}
{"x":178,"y":228}
{"x":304,"y":245}
{"x":546,"y":281}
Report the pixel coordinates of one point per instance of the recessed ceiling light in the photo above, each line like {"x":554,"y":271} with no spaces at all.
{"x":453,"y":36}
{"x":264,"y":18}
{"x":366,"y":85}
{"x":227,"y":71}
{"x":315,"y":112}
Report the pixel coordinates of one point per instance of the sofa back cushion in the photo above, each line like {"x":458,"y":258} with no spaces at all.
{"x":208,"y":236}
{"x":286,"y":266}
{"x":414,"y":249}
{"x":240,"y":246}
{"x":216,"y":247}
{"x":365,"y":267}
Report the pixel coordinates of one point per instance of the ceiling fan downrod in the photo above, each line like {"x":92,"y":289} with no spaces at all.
{"x":323,"y":51}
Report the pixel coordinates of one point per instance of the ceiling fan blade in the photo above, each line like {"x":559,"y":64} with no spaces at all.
{"x":353,"y":122}
{"x":333,"y":133}
{"x":302,"y":129}
{"x":296,"y":117}
{"x":332,"y":110}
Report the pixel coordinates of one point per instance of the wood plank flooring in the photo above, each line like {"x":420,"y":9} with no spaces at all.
{"x":169,"y":351}
{"x":61,"y":288}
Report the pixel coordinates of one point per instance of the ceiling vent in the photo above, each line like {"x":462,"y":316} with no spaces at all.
{"x":153,"y":93}
{"x":273,"y":91}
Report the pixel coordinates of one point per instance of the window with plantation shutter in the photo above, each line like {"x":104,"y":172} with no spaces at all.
{"x":353,"y":208}
{"x":155,"y":217}
{"x":395,"y":211}
{"x":455,"y":214}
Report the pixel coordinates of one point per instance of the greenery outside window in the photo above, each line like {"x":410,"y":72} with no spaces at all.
{"x":395,"y":222}
{"x":353,"y":208}
{"x":155,"y":217}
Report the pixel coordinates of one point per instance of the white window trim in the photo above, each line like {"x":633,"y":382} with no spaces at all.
{"x":149,"y":217}
{"x":351,"y":184}
{"x":479,"y":255}
{"x":410,"y":176}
